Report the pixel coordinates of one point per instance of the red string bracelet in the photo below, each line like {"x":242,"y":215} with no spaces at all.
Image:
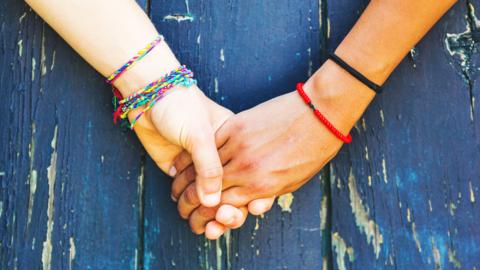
{"x":321,"y":117}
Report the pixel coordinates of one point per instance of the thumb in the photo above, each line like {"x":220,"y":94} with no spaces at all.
{"x":208,"y":169}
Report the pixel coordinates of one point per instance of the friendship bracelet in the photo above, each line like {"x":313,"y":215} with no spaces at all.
{"x":359,"y":76}
{"x":151,"y":94}
{"x":140,"y":54}
{"x":321,"y":117}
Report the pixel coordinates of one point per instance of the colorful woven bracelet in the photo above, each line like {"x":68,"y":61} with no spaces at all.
{"x":321,"y":117}
{"x":151,"y":94}
{"x":142,"y":53}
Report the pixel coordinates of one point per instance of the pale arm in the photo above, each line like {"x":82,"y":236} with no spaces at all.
{"x":106,"y":34}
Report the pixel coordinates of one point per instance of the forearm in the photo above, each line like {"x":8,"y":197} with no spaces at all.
{"x":106,"y":34}
{"x":384,"y":34}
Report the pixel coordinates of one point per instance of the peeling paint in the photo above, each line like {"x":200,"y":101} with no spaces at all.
{"x":51,"y":175}
{"x":31,"y":198}
{"x":257,"y":224}
{"x":414,"y":55}
{"x":362,"y":219}
{"x":222,"y":55}
{"x":53,"y":60}
{"x":382,"y":117}
{"x":324,"y":263}
{"x":366,"y":152}
{"x":452,"y":208}
{"x":341,"y":250}
{"x":187,"y":6}
{"x":179,"y":17}
{"x":199,"y":39}
{"x":452,"y":258}
{"x":215,"y":85}
{"x":415,"y":237}
{"x":228,"y":244}
{"x":323,"y":213}
{"x":72,"y":252}
{"x":285,"y":202}
{"x":463,"y":45}
{"x":43,"y":56}
{"x":384,"y":170}
{"x":34,"y":66}
{"x":328,"y":27}
{"x":472,"y":193}
{"x":218,"y":253}
{"x":20,"y":20}
{"x":408,"y":215}
{"x":32,"y":175}
{"x":436,"y":255}
{"x":20,"y":47}
{"x":1,"y":208}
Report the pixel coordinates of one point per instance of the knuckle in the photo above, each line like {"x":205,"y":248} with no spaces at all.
{"x":249,"y":163}
{"x":206,"y":212}
{"x":213,"y":172}
{"x":191,"y":196}
{"x":189,"y":174}
{"x":239,"y":126}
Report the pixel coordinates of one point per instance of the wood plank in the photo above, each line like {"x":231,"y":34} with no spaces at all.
{"x":69,"y":178}
{"x":405,"y":193}
{"x":243,"y":53}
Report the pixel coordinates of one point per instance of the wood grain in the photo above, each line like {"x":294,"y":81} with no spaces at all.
{"x":404,"y":194}
{"x":78,"y":193}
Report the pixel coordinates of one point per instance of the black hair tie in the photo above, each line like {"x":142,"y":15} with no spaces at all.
{"x":359,"y":76}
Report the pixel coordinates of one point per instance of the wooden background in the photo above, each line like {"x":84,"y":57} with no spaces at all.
{"x":78,"y":193}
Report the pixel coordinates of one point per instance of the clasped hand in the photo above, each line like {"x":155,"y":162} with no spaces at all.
{"x":227,"y":165}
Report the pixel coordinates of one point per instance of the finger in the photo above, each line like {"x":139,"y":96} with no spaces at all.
{"x":182,"y":161}
{"x":222,"y":133}
{"x":226,"y":152}
{"x":200,"y":217}
{"x":260,"y":206}
{"x":237,"y":196}
{"x":188,"y":201}
{"x":214,"y":230}
{"x":208,"y":169}
{"x":181,"y":182}
{"x":231,"y":216}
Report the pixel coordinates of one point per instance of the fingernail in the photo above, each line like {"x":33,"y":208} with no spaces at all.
{"x":210,"y":200}
{"x":212,"y":187}
{"x":172,"y":172}
{"x":173,"y":198}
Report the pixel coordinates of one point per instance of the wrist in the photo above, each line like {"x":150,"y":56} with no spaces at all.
{"x":338,"y":95}
{"x":157,"y":63}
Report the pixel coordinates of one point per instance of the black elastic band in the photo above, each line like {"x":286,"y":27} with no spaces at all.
{"x":375,"y":87}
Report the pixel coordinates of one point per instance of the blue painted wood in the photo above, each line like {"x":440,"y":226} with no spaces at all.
{"x":405,"y":194}
{"x":69,"y":179}
{"x":243,"y":53}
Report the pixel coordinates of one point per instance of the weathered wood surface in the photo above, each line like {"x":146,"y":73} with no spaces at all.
{"x":243,"y":53}
{"x":405,"y":194}
{"x":77,"y":193}
{"x":69,"y":178}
